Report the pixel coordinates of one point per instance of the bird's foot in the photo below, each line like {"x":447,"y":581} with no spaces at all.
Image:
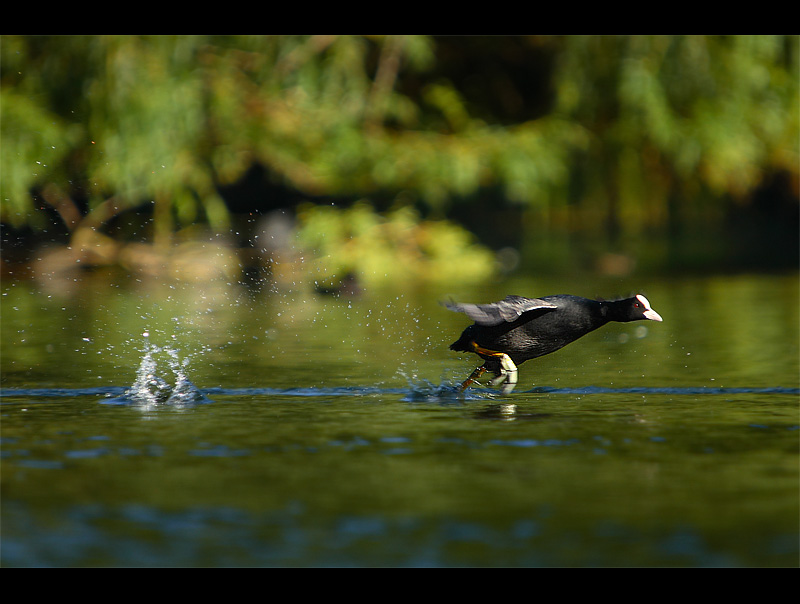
{"x":507,"y":376}
{"x":472,"y":378}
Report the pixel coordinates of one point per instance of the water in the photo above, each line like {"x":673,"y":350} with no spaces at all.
{"x":188,"y":426}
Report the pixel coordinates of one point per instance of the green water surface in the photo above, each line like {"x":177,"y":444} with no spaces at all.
{"x":333,"y":438}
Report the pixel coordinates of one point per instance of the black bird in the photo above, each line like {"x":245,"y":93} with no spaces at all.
{"x":508,"y":333}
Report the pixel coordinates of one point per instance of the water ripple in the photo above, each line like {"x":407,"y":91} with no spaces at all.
{"x":412,"y":394}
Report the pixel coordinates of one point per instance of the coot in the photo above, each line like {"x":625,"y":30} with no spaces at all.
{"x":516,"y":329}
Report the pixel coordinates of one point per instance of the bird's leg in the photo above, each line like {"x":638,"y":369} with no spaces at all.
{"x":508,"y":370}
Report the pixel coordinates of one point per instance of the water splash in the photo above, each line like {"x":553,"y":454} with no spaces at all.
{"x":185,"y":392}
{"x":421,"y":390}
{"x":150,"y":390}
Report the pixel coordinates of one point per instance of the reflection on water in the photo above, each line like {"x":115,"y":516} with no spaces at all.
{"x":331,"y":432}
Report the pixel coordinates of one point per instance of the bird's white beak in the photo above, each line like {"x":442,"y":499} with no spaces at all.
{"x":652,"y":315}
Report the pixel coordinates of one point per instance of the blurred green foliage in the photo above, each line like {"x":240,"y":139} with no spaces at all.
{"x":629,"y":132}
{"x":681,"y":124}
{"x":397,"y":245}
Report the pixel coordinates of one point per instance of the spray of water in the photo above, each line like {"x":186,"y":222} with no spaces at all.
{"x":150,"y":390}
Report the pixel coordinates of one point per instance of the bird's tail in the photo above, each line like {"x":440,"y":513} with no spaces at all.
{"x":463,"y":344}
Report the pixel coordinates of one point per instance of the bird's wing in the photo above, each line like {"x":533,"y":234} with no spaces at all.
{"x":509,"y":309}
